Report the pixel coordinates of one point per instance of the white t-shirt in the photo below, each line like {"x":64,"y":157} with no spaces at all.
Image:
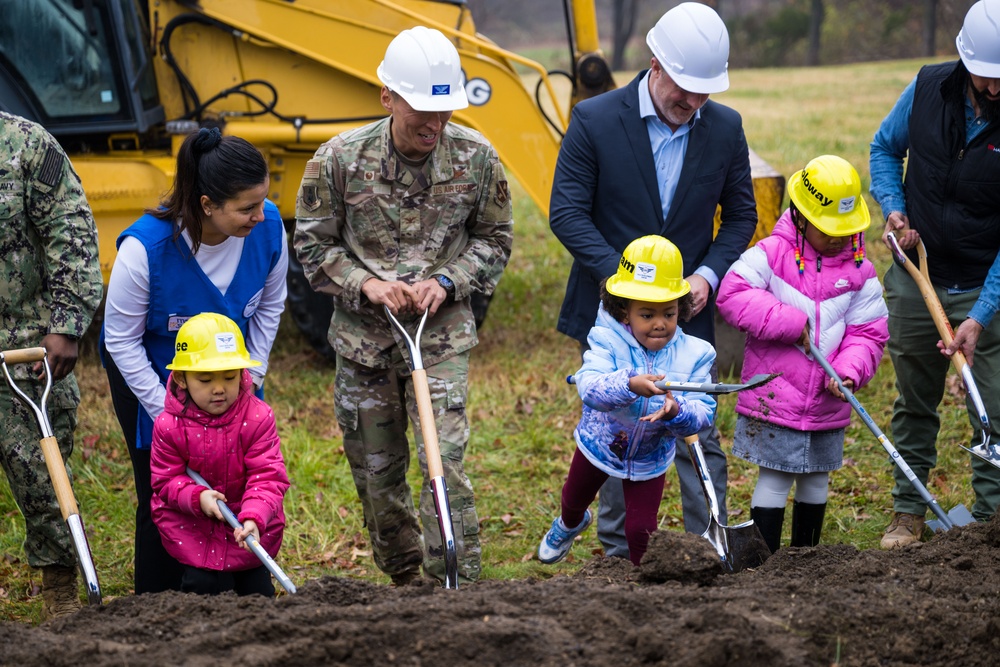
{"x":127,"y":307}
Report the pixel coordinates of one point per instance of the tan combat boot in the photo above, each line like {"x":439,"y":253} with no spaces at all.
{"x":903,"y":530}
{"x":59,"y":591}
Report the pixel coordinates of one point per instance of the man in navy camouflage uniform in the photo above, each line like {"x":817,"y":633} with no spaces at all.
{"x":411,"y":213}
{"x":50,"y":286}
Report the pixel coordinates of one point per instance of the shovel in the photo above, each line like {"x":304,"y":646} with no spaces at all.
{"x":958,"y":516}
{"x":707,"y":387}
{"x":717,"y":387}
{"x":739,"y":547}
{"x":57,"y":467}
{"x":254,"y":545}
{"x":428,"y":428}
{"x":985,"y":451}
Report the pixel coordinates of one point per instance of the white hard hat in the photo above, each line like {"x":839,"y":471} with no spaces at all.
{"x":691,"y":44}
{"x":423,"y":68}
{"x":978,"y":41}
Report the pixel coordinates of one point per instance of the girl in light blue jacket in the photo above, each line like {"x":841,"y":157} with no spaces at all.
{"x":629,"y":425}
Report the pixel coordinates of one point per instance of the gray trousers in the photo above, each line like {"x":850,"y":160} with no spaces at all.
{"x":611,"y":508}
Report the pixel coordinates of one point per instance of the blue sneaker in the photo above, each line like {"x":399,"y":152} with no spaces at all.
{"x":557,"y":542}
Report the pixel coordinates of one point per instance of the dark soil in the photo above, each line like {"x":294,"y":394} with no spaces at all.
{"x":932,"y":604}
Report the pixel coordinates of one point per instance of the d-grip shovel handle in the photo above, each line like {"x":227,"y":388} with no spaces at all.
{"x":23,"y":356}
{"x":55,"y":465}
{"x":422,"y":394}
{"x":958,"y":360}
{"x":934,"y":306}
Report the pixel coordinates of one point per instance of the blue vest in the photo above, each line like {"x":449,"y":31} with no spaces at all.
{"x":179,"y":289}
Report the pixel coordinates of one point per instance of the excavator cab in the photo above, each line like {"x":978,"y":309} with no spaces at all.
{"x":81,"y":69}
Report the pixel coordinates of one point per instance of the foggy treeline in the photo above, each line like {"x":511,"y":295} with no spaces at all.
{"x":763,"y":33}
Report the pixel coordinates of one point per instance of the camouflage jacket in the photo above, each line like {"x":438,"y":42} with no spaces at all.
{"x":362,"y":213}
{"x":50,"y":276}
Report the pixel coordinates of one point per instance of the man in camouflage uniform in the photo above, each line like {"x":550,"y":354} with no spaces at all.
{"x":50,"y":286}
{"x":411,"y":213}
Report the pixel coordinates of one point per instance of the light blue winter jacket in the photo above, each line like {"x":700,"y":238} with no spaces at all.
{"x":610,"y":434}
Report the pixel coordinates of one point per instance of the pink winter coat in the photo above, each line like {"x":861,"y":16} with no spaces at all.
{"x":239,"y":454}
{"x":764,"y":296}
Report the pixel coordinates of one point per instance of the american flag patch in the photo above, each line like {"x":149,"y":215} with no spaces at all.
{"x":312,"y":169}
{"x":51,"y":167}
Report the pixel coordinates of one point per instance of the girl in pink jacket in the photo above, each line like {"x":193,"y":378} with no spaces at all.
{"x":214,"y":424}
{"x":806,"y":289}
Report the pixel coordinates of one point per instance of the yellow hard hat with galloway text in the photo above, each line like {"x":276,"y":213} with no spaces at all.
{"x":651,"y":269}
{"x":210,"y":342}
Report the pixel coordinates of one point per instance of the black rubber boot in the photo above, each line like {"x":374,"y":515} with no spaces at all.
{"x":807,"y":523}
{"x":769,"y":521}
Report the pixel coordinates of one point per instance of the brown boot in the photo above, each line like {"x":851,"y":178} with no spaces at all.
{"x":59,"y":591}
{"x":903,"y":530}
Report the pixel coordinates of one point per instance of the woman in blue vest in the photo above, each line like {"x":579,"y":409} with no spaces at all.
{"x":215,"y":244}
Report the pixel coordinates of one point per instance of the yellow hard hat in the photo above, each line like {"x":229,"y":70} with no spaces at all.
{"x":210,"y":342}
{"x":828,"y":193}
{"x":651,"y":269}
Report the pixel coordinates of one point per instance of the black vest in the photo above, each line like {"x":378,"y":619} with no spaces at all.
{"x":952,"y":190}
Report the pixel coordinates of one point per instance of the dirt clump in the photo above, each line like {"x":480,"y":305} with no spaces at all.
{"x":936,"y":603}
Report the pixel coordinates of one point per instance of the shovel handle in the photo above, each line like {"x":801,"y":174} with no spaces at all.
{"x":428,"y":426}
{"x":921,"y":277}
{"x":23,"y":356}
{"x":60,"y":480}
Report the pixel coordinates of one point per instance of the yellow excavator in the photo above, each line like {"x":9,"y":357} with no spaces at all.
{"x":120,"y":83}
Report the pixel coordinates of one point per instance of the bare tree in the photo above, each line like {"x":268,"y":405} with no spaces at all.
{"x":816,"y":16}
{"x":930,"y":26}
{"x":624,"y":12}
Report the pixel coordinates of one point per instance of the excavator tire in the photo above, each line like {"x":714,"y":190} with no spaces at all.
{"x":310,"y":310}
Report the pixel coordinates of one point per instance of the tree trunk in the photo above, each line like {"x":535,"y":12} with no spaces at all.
{"x":624,"y":24}
{"x":815,"y":30}
{"x":930,"y":26}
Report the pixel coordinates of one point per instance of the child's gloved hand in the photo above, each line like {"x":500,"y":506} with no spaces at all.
{"x":241,"y":534}
{"x":209,"y":503}
{"x":834,"y":388}
{"x":666,"y":413}
{"x":645,"y":385}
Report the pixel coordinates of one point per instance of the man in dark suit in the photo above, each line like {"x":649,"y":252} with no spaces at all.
{"x":657,"y":157}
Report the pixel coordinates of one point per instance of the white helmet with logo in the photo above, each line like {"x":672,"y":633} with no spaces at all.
{"x":423,"y":68}
{"x":691,"y":44}
{"x":978,"y":41}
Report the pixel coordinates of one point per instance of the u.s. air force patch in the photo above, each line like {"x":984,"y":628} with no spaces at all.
{"x":310,"y":197}
{"x":502,"y":195}
{"x":452,"y":188}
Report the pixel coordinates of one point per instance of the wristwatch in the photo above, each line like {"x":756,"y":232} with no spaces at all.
{"x":446,"y":283}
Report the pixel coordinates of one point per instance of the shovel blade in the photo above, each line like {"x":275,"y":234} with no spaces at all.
{"x":739,"y":547}
{"x":959,"y":516}
{"x":988,"y":453}
{"x":747,"y":548}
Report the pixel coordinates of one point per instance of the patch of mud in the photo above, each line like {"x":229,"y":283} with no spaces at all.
{"x":932,"y":604}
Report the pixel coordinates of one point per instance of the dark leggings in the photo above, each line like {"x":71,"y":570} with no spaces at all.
{"x":212,"y":582}
{"x":155,"y":569}
{"x":642,"y":502}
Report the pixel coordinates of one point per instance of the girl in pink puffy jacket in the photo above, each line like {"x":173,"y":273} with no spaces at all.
{"x":806,"y":289}
{"x":214,"y":424}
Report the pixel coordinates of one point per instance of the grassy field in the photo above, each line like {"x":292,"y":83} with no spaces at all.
{"x":521,"y":410}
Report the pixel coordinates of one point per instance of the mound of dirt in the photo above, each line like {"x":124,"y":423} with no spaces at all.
{"x":932,"y":604}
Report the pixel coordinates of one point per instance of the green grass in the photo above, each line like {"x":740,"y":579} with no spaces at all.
{"x":521,"y":410}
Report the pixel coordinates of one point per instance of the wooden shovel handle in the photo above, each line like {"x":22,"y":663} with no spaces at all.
{"x":428,"y":427}
{"x":24,"y":356}
{"x":60,"y":480}
{"x":934,"y":307}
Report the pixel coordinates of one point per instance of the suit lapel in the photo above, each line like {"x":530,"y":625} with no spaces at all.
{"x":697,"y":142}
{"x":638,"y":139}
